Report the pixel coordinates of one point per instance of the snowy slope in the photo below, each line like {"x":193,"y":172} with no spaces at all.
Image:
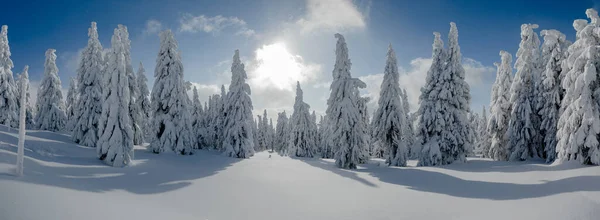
{"x":65,"y":181}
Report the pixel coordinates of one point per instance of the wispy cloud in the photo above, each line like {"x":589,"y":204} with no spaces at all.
{"x":152,"y":27}
{"x":333,"y":15}
{"x":214,"y":25}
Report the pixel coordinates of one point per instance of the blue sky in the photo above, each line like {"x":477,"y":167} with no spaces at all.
{"x":209,"y":31}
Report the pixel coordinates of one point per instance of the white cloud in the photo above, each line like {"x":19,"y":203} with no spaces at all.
{"x":152,"y":27}
{"x":214,"y":25}
{"x":332,"y":15}
{"x":476,"y":72}
{"x":478,"y":76}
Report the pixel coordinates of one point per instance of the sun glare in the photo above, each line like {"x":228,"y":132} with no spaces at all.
{"x":277,"y":66}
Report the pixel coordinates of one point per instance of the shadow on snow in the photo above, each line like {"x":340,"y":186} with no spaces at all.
{"x":61,"y":163}
{"x":330,"y":166}
{"x":426,"y":180}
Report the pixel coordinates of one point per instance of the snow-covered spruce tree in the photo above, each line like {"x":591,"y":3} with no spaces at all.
{"x":281,"y":132}
{"x":346,"y":135}
{"x":216,"y":116}
{"x":458,"y":95}
{"x":272,"y":134}
{"x":50,"y":107}
{"x":444,"y":128}
{"x":259,"y":134}
{"x":302,"y":142}
{"x":325,"y":144}
{"x":409,"y":135}
{"x":212,"y":125}
{"x":484,"y":139}
{"x":579,"y":122}
{"x":23,"y":86}
{"x":255,"y":132}
{"x":221,"y":117}
{"x":8,"y":89}
{"x":553,"y":53}
{"x":134,"y":112}
{"x":115,"y":134}
{"x":143,"y":101}
{"x":70,"y":104}
{"x":314,"y":129}
{"x":264,"y":138}
{"x":171,"y":125}
{"x":198,"y":121}
{"x":523,"y":129}
{"x":238,"y":140}
{"x":89,"y":82}
{"x":500,"y":110}
{"x":430,"y":123}
{"x":474,"y":122}
{"x":366,"y":123}
{"x":389,"y":119}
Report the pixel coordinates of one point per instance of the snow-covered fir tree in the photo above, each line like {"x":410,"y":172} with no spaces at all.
{"x":259,"y":134}
{"x":143,"y":101}
{"x":484,"y":141}
{"x":366,"y":124}
{"x":264,"y":136}
{"x":346,"y":135}
{"x":302,"y":142}
{"x":89,"y":82}
{"x":198,"y":121}
{"x":50,"y":107}
{"x":8,"y":89}
{"x":214,"y":130}
{"x":430,"y":122}
{"x":320,"y":129}
{"x":238,"y":140}
{"x":474,"y":122}
{"x":281,"y":133}
{"x":255,"y":132}
{"x":271,"y":134}
{"x":444,"y":128}
{"x":213,"y":126}
{"x":409,"y":135}
{"x":23,"y":87}
{"x":389,"y":119}
{"x":325,"y":144}
{"x":115,"y":134}
{"x":171,"y":125}
{"x":500,"y":110}
{"x":553,"y":54}
{"x":72,"y":95}
{"x":463,"y":134}
{"x":579,"y":122}
{"x":135,"y":113}
{"x":314,"y":129}
{"x":523,"y":129}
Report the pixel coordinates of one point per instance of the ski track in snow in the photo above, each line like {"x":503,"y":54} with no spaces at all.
{"x":66,"y":181}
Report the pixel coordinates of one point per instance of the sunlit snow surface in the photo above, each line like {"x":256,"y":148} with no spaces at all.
{"x":66,"y":181}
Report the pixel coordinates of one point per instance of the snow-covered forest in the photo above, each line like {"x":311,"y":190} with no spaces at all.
{"x":543,"y":117}
{"x":546,"y":111}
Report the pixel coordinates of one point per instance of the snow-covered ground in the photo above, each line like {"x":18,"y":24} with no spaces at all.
{"x":66,"y":181}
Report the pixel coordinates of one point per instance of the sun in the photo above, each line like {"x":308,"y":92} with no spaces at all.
{"x":277,"y":66}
